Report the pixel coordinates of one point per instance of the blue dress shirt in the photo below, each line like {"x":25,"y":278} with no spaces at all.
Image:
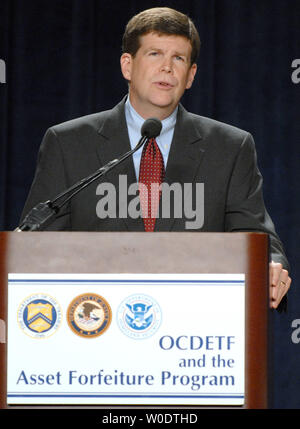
{"x":164,"y":140}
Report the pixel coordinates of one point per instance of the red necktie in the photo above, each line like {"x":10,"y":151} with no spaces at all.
{"x":152,"y":173}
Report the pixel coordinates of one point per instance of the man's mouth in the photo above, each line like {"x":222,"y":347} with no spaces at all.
{"x":165,"y":85}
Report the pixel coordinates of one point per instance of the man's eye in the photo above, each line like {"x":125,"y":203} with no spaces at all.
{"x":179,"y":58}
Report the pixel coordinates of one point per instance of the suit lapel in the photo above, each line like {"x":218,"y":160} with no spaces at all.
{"x":114,"y":142}
{"x":186,"y":153}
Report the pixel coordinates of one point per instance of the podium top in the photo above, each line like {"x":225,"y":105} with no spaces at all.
{"x":136,"y":252}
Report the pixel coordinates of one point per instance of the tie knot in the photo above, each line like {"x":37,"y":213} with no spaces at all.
{"x":151,"y":149}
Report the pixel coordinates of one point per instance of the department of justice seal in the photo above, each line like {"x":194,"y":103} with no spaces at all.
{"x":89,"y":315}
{"x":39,"y":315}
{"x":139,"y":316}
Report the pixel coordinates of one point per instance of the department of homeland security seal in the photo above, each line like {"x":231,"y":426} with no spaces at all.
{"x":139,"y":316}
{"x":39,"y":315}
{"x":89,"y":315}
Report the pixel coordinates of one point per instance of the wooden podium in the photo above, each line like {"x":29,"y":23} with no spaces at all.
{"x":171,"y":252}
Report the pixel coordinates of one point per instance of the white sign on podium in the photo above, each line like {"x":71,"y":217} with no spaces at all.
{"x":126,"y":339}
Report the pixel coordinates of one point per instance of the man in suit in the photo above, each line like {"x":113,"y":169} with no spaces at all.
{"x":160,"y":49}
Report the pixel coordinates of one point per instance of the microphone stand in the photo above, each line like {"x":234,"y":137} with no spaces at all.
{"x":44,"y":213}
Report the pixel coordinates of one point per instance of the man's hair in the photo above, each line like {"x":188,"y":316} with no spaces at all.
{"x":160,"y":20}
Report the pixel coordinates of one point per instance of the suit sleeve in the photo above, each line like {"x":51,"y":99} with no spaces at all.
{"x":246,"y":209}
{"x":49,"y":181}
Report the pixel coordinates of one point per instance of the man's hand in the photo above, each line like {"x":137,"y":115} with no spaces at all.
{"x":279,"y":283}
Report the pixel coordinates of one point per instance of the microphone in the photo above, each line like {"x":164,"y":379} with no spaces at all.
{"x":151,"y":128}
{"x":44,"y":213}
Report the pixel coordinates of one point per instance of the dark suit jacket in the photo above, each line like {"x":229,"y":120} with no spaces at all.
{"x":203,"y":150}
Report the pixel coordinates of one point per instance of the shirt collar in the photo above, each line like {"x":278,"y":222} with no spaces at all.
{"x":137,"y":121}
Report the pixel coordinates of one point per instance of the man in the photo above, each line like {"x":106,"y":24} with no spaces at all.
{"x":160,"y":49}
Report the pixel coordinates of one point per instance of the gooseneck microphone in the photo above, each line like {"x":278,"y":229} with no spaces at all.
{"x":44,"y":213}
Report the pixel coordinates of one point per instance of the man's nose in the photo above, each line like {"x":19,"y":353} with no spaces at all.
{"x":167,"y":66}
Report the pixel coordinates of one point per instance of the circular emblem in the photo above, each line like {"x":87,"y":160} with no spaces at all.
{"x":39,"y":315}
{"x":139,"y":316}
{"x":89,"y":315}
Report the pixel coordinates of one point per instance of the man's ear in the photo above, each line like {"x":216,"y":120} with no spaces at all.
{"x":191,"y":76}
{"x":126,"y":62}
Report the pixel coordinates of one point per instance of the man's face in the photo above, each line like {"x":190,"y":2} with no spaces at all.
{"x":158,"y":74}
